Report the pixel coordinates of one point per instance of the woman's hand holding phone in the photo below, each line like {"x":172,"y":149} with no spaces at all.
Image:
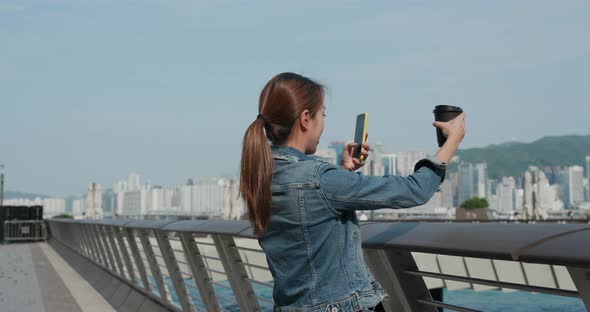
{"x":351,"y":163}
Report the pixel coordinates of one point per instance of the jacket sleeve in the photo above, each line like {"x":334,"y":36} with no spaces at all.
{"x":345,"y":190}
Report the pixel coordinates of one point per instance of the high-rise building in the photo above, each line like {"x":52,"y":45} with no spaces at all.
{"x":407,"y":160}
{"x":374,"y":164}
{"x":481,"y":170}
{"x":338,"y":147}
{"x":576,"y":186}
{"x":544,"y":199}
{"x":389,"y":162}
{"x":506,"y":195}
{"x":377,"y":155}
{"x":134,"y":182}
{"x":132,"y":203}
{"x":156,"y":201}
{"x":491,"y":187}
{"x":586,"y":188}
{"x":109,"y":203}
{"x":588,"y":177}
{"x":167,"y":200}
{"x":466,"y":183}
{"x":562,"y":178}
{"x":94,"y":201}
{"x":214,"y":197}
{"x":234,"y":206}
{"x":186,"y":194}
{"x":78,"y":208}
{"x":53,"y":206}
{"x":327,"y":155}
{"x":539,"y":196}
{"x":528,"y":195}
{"x":446,"y":190}
{"x":403,"y":162}
{"x":119,"y":189}
{"x":145,"y":197}
{"x":518,"y":199}
{"x":557,"y":204}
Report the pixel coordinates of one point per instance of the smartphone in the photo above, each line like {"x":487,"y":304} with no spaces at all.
{"x":360,"y":134}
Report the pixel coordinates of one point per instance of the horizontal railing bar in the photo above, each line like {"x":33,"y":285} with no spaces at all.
{"x":191,"y":286}
{"x":258,"y":282}
{"x":226,"y":298}
{"x":446,"y":305}
{"x":529,"y":288}
{"x":24,"y":238}
{"x":209,"y":257}
{"x":248,"y":249}
{"x":204,"y":243}
{"x":199,"y":305}
{"x":221,"y":285}
{"x":215,"y":271}
{"x":254,"y":265}
{"x":163,"y":267}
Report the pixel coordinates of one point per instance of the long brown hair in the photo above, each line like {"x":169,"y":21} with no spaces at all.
{"x":282,"y":101}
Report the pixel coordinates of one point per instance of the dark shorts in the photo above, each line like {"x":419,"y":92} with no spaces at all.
{"x":379,"y":308}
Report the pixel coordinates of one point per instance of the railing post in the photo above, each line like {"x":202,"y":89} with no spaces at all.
{"x":137,"y":258}
{"x":44,"y":230}
{"x":124,"y":252}
{"x":404,"y":290}
{"x":109,"y":234}
{"x":236,"y":273}
{"x":153,"y":263}
{"x":173,"y":270}
{"x":82,"y":245}
{"x":93,"y":227}
{"x":92,"y":240}
{"x":88,"y":252}
{"x":102,"y":236}
{"x":581,"y":278}
{"x":199,"y":272}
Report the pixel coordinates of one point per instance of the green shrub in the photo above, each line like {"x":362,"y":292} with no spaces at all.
{"x":475,"y":203}
{"x":63,"y":216}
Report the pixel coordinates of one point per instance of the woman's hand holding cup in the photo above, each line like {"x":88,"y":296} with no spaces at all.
{"x":453,"y":129}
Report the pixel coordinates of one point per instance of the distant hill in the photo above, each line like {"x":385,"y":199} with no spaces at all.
{"x":12,"y":195}
{"x":513,"y":158}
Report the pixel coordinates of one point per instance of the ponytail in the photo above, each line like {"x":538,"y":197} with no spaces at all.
{"x":282,"y":100}
{"x":256,"y":175}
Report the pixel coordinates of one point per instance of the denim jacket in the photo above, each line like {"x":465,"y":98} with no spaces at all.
{"x":313,"y":241}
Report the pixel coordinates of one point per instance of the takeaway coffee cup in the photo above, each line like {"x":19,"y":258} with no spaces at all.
{"x":445,"y":113}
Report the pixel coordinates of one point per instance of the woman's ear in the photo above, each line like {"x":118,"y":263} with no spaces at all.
{"x":305,"y":120}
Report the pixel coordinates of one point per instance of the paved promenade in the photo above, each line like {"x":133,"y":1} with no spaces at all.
{"x":33,"y":277}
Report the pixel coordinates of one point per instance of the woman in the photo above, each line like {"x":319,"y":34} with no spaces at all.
{"x":303,"y":209}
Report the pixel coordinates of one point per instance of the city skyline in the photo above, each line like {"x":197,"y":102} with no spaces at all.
{"x":95,"y":89}
{"x":535,"y":193}
{"x":323,"y":148}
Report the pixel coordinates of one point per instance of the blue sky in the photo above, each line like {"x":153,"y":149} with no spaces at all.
{"x":93,"y":90}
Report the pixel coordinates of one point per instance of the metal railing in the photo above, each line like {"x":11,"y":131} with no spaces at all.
{"x":219,"y":266}
{"x":19,"y":230}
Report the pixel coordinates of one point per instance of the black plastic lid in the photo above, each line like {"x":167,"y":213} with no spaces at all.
{"x":446,"y":108}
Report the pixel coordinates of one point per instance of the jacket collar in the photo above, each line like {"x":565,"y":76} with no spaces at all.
{"x":287,"y":152}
